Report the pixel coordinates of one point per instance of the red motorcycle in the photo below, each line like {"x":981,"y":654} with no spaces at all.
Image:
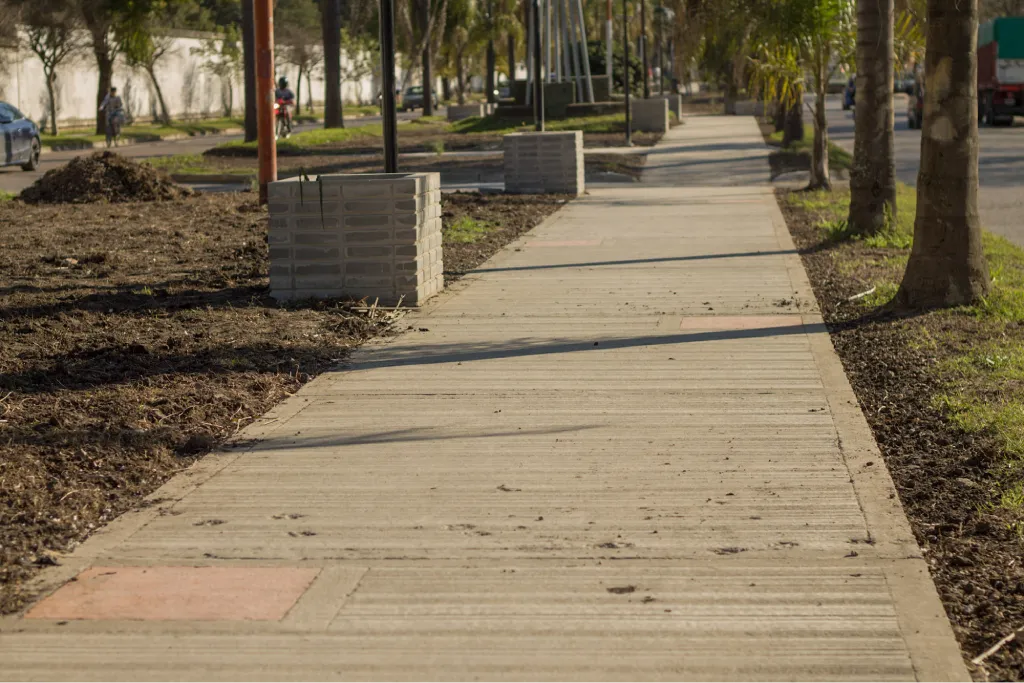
{"x":282,"y":119}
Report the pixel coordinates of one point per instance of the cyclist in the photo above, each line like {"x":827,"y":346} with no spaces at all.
{"x":113,"y":106}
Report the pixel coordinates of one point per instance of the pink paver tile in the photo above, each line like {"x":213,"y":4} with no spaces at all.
{"x":563,"y":243}
{"x":721,"y":323}
{"x":178,"y":593}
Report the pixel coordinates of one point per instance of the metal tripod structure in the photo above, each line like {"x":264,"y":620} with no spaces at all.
{"x":563,"y":43}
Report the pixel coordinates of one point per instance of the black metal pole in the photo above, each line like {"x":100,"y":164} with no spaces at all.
{"x":387,"y":85}
{"x":538,"y":81}
{"x":643,"y":48}
{"x":625,"y":69}
{"x":661,"y":59}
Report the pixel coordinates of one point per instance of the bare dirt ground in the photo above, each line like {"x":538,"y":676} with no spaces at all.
{"x":135,"y":337}
{"x":948,"y":479}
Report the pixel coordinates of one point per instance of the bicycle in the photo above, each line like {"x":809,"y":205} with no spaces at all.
{"x":114,"y":123}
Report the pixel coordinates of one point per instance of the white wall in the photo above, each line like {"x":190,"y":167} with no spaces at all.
{"x":189,"y":88}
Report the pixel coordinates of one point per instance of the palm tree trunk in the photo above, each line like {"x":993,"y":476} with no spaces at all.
{"x":331,"y":29}
{"x":820,"y":179}
{"x":511,"y":60}
{"x":428,"y":76}
{"x":165,"y":116}
{"x":52,"y":96}
{"x":873,"y":176}
{"x":947,"y":263}
{"x":298,"y":92}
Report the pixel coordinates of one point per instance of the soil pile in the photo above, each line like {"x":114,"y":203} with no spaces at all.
{"x":102,"y":177}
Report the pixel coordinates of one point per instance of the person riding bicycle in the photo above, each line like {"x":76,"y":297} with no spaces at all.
{"x":113,"y":106}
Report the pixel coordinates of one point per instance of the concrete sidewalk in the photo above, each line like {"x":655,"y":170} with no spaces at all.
{"x":622,"y":449}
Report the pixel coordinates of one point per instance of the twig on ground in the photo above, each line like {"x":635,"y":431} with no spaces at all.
{"x":977,"y":661}
{"x":856,"y":297}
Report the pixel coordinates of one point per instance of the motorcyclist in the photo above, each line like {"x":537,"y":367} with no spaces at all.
{"x":285,"y":99}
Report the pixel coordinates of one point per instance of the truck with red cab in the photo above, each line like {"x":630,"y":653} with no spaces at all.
{"x":1001,"y":70}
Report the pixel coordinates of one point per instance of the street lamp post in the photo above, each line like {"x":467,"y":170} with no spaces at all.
{"x":643,"y":47}
{"x":625,"y":69}
{"x":538,"y":81}
{"x":387,"y":100}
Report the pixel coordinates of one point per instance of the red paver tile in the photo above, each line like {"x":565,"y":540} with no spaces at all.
{"x":178,"y":593}
{"x":721,"y":323}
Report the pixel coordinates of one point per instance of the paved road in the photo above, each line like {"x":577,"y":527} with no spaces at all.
{"x":13,"y":179}
{"x":622,"y":449}
{"x":1001,"y":165}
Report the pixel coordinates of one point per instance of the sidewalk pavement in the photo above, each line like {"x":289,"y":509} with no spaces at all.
{"x":622,"y":449}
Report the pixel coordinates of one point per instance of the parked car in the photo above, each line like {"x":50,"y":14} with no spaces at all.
{"x":850,"y":94}
{"x":915,"y":107}
{"x":413,"y":98}
{"x":21,"y":139}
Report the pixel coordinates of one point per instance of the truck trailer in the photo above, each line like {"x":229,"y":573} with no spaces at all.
{"x":1001,"y":70}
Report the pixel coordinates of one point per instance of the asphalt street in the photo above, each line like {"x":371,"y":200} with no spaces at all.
{"x":1000,"y":165}
{"x":13,"y":179}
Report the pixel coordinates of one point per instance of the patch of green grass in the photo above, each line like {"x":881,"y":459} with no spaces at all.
{"x":437,"y":146}
{"x":838,"y":158}
{"x":180,"y":163}
{"x":604,"y":123}
{"x":304,"y":141}
{"x":1006,"y":266}
{"x":1003,"y":418}
{"x":833,"y":208}
{"x":6,"y":196}
{"x":467,"y":230}
{"x":143,"y":132}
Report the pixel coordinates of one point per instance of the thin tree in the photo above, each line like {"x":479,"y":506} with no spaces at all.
{"x":331,"y":30}
{"x":873,"y":175}
{"x":51,"y":32}
{"x":947,"y":264}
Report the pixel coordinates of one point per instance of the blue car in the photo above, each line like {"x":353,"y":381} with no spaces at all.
{"x":21,"y":139}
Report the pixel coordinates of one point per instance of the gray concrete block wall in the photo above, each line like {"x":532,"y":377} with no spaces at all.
{"x":548,"y":162}
{"x":458,"y":112}
{"x":650,"y":116}
{"x":372,"y":236}
{"x":675,"y":104}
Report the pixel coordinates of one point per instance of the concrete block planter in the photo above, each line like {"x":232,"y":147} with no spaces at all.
{"x":675,"y":104}
{"x":458,"y":112}
{"x":372,"y":235}
{"x":650,"y":116}
{"x":549,"y":162}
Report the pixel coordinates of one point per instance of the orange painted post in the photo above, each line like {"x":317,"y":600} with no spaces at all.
{"x":263,"y":15}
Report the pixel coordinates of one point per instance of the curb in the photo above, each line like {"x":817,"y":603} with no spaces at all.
{"x":90,"y":145}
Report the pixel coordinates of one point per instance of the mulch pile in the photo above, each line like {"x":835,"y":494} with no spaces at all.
{"x":945,"y":477}
{"x":103,"y":177}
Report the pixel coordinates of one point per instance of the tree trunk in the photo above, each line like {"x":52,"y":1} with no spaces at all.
{"x":460,"y":79}
{"x":820,"y":179}
{"x":491,"y":61}
{"x":249,"y":70}
{"x":52,"y":95}
{"x":873,"y":176}
{"x":165,"y":116}
{"x":947,"y":263}
{"x":331,"y":29}
{"x":428,"y":77}
{"x":794,"y":122}
{"x":446,"y":88}
{"x":511,"y":60}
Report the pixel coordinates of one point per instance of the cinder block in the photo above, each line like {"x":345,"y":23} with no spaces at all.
{"x":541,"y":162}
{"x":650,"y":115}
{"x":458,"y":112}
{"x":362,"y":236}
